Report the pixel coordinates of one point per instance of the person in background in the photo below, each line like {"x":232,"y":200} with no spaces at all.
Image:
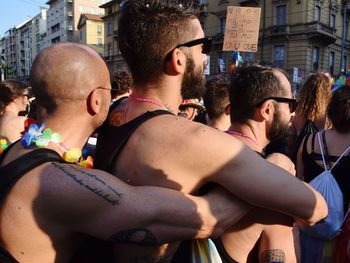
{"x":309,"y":165}
{"x":261,"y":111}
{"x":310,"y":115}
{"x":122,"y":84}
{"x":190,"y":108}
{"x":13,"y":100}
{"x":217,"y":104}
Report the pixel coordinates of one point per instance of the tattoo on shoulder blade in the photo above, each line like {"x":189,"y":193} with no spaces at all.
{"x":91,"y":182}
{"x":139,"y":236}
{"x":273,"y":255}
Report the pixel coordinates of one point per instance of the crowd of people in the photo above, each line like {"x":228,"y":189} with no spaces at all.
{"x":181,"y":170}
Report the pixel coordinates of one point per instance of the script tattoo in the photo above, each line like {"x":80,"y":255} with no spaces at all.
{"x":273,"y":255}
{"x":139,"y":236}
{"x":91,"y":182}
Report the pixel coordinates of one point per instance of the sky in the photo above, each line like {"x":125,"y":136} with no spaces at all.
{"x":14,"y":12}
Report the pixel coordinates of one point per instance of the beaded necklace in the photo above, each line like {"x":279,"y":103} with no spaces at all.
{"x":40,"y":137}
{"x":144,"y":100}
{"x":237,"y":133}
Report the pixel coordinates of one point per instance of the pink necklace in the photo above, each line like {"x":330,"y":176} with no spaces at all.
{"x":242,"y":135}
{"x":139,"y":99}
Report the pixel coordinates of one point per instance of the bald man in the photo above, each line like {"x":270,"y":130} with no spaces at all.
{"x":48,"y":211}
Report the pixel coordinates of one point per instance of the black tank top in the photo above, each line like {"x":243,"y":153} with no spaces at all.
{"x":313,"y":169}
{"x":13,"y":171}
{"x":111,"y":139}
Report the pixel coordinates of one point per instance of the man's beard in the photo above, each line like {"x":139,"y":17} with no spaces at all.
{"x":193,"y":82}
{"x":278,"y":130}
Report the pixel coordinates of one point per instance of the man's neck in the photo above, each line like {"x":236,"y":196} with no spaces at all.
{"x":167,"y":93}
{"x":73,"y":135}
{"x":222,"y":123}
{"x":252,"y":135}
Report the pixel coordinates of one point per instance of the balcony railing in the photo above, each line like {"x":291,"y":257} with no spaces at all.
{"x":321,"y":31}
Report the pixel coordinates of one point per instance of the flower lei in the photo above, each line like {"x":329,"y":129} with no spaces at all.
{"x":40,"y":137}
{"x":3,"y":145}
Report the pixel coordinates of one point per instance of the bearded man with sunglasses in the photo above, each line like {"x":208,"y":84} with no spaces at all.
{"x":261,"y":111}
{"x":164,"y":46}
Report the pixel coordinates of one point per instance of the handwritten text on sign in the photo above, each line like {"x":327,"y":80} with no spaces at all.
{"x":242,"y":29}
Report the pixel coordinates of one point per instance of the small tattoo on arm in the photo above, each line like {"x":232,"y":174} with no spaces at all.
{"x":139,"y":236}
{"x":273,"y":255}
{"x":91,"y":182}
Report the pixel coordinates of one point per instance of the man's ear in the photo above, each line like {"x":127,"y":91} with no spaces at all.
{"x":265,"y":111}
{"x":228,"y":109}
{"x":175,"y":63}
{"x":94,"y":101}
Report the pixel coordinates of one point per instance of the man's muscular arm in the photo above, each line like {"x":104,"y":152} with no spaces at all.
{"x":210,"y":155}
{"x":100,"y":205}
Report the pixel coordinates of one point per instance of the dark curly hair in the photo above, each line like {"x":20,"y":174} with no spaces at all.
{"x":9,"y":91}
{"x":121,"y":83}
{"x":338,"y":110}
{"x":149,"y":29}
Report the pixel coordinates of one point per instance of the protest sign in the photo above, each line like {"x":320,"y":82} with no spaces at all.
{"x":242,"y":29}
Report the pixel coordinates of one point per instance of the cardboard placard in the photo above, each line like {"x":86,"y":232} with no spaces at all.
{"x":242,"y":29}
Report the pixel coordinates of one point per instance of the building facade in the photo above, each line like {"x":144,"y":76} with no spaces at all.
{"x":10,"y":67}
{"x":112,"y":53}
{"x":301,"y":37}
{"x":63,"y":18}
{"x":91,"y":32}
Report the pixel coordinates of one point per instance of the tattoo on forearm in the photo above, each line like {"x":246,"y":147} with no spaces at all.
{"x":91,"y":182}
{"x":149,"y":259}
{"x":139,"y":236}
{"x":273,"y":255}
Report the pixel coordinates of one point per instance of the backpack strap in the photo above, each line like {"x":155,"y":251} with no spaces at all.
{"x":313,"y":142}
{"x":326,"y":156}
{"x":321,"y":149}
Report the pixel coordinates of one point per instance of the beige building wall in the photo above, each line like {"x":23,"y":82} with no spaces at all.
{"x":112,"y":53}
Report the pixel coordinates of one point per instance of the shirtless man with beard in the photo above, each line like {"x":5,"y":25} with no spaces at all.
{"x":165,"y":47}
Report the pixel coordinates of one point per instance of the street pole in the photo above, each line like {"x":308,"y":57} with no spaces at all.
{"x":343,"y":38}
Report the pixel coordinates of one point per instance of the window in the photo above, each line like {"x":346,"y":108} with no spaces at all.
{"x":281,"y":14}
{"x":99,"y":41}
{"x":317,"y":13}
{"x":279,"y":56}
{"x":332,"y":21}
{"x":81,"y":35}
{"x":109,"y":28}
{"x":222,"y":24}
{"x":109,"y":49}
{"x":315,"y":58}
{"x":221,"y":62}
{"x":99,"y":29}
{"x":331,"y":62}
{"x":345,"y":63}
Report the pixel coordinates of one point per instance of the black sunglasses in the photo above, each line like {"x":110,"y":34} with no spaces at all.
{"x":293,"y":103}
{"x":206,"y":47}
